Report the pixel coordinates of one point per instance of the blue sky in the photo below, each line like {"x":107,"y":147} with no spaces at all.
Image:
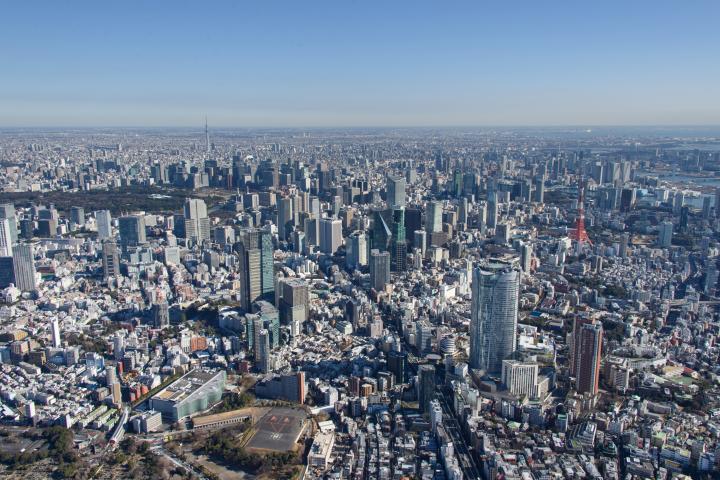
{"x":344,"y":63}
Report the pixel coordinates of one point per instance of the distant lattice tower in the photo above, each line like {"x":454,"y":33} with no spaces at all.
{"x":578,"y":233}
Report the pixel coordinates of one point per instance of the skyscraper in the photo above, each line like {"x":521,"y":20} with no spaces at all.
{"x":311,"y":227}
{"x":104,"y":224}
{"x":381,"y":233}
{"x":262,"y":351}
{"x":395,"y":191}
{"x":379,"y":269}
{"x":250,"y":275}
{"x":294,"y":303}
{"x":285,"y":217}
{"x":665,"y":232}
{"x":539,"y":193}
{"x":433,"y":217}
{"x":55,"y":331}
{"x":7,"y":272}
{"x":77,"y":216}
{"x":463,"y":209}
{"x":426,"y":379}
{"x":132,"y":230}
{"x":356,"y":250}
{"x":330,"y":235}
{"x":398,"y":245}
{"x":110,"y":260}
{"x":261,"y":239}
{"x":6,"y":240}
{"x":396,"y":364}
{"x":526,"y":257}
{"x":197,"y":223}
{"x":492,"y":213}
{"x":493,"y":325}
{"x":590,"y":351}
{"x":24,"y":267}
{"x":161,"y":314}
{"x":420,"y":241}
{"x":7,"y":211}
{"x":267,"y":265}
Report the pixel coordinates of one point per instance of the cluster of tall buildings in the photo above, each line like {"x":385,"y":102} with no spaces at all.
{"x":17,"y":258}
{"x":449,"y":303}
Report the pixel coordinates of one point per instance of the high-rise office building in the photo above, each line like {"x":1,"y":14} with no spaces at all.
{"x":270,"y":317}
{"x":423,"y":336}
{"x":132,"y":230}
{"x":526,"y":257}
{"x":118,"y":346}
{"x":574,"y":342}
{"x":356,"y":250}
{"x":590,"y":351}
{"x":6,"y":240}
{"x":55,"y":331}
{"x":253,"y":325}
{"x":420,"y":241}
{"x":398,"y":245}
{"x":261,"y":239}
{"x":24,"y":267}
{"x":381,"y":233}
{"x":285,"y":213}
{"x":267,"y":264}
{"x":395,"y":191}
{"x":161,"y":314}
{"x":711,"y":278}
{"x":77,"y":216}
{"x":379,"y":269}
{"x":7,"y":272}
{"x":492,"y":213}
{"x":104,"y":224}
{"x":294,"y":304}
{"x":7,"y":211}
{"x":463,"y":210}
{"x":433,"y":217}
{"x":197,"y":223}
{"x":330,"y":235}
{"x":250,"y":275}
{"x":520,"y":378}
{"x":311,"y":226}
{"x":110,"y":260}
{"x":27,"y":228}
{"x":262,"y":351}
{"x":224,"y":235}
{"x":665,"y":233}
{"x":502,"y":232}
{"x":493,"y":325}
{"x":110,"y":375}
{"x":539,"y":192}
{"x":47,"y":227}
{"x":426,"y":393}
{"x":397,"y":364}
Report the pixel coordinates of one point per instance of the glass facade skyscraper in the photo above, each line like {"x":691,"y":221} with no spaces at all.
{"x":493,"y":325}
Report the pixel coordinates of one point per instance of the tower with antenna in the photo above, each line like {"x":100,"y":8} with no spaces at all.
{"x":578,"y":233}
{"x":207,"y":137}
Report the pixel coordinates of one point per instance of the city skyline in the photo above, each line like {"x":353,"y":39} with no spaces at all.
{"x":327,"y":65}
{"x":344,"y":240}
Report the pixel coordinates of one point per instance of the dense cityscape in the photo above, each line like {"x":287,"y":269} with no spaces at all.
{"x":359,"y":304}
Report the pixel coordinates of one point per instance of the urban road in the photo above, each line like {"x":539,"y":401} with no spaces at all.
{"x":467,"y":462}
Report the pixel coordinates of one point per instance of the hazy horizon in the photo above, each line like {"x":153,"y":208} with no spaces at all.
{"x":338,"y":65}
